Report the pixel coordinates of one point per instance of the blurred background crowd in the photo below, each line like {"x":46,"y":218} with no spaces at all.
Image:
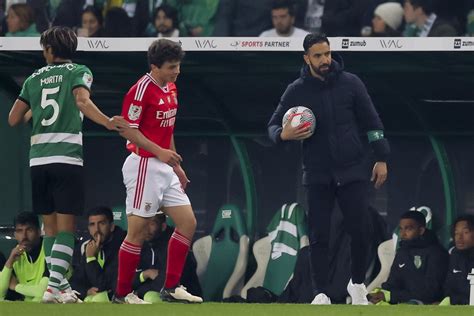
{"x":173,"y":18}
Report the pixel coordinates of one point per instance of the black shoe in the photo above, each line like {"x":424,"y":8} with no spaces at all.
{"x":178,"y":294}
{"x":118,"y":300}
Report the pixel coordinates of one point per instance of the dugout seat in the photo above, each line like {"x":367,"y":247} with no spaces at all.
{"x":387,"y":250}
{"x":276,"y":253}
{"x":222,"y":256}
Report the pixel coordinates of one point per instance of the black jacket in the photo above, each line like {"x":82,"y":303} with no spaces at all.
{"x":343,"y":109}
{"x":153,"y":256}
{"x":87,"y":275}
{"x":457,"y":285}
{"x":418,"y":270}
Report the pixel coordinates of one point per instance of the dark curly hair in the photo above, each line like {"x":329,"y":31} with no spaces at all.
{"x":163,"y":50}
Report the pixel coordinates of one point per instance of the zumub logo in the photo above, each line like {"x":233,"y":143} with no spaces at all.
{"x":457,"y":43}
{"x":345,"y":43}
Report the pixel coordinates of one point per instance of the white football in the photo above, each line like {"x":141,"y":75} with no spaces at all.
{"x":300,"y":115}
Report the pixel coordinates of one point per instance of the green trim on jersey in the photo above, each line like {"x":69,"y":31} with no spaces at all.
{"x":27,"y":272}
{"x":57,"y":121}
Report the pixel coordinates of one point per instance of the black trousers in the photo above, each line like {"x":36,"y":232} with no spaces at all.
{"x":353,"y":200}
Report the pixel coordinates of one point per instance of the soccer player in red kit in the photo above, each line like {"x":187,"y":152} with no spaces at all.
{"x":152,"y":173}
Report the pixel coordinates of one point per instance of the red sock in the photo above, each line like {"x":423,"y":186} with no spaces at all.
{"x":129,"y":257}
{"x":178,"y":248}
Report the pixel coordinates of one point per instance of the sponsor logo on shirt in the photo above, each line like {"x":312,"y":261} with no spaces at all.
{"x":401,"y":265}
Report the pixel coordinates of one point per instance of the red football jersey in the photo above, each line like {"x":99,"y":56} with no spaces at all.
{"x":152,"y":109}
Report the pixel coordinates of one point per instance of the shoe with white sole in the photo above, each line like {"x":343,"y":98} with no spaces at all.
{"x":131,"y":298}
{"x":321,"y":299}
{"x":179,"y":294}
{"x":69,"y":296}
{"x":358,"y":293}
{"x":51,"y":298}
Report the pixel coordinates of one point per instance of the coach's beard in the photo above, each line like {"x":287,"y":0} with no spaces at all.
{"x":322,"y":70}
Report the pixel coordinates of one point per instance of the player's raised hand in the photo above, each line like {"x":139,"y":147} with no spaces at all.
{"x":290,"y":132}
{"x":117,"y":123}
{"x":183,"y":179}
{"x":169,"y":157}
{"x":14,"y":255}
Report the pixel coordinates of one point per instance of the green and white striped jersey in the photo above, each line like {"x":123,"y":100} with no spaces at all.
{"x":56,"y":136}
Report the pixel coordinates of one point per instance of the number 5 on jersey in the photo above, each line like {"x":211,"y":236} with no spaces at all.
{"x":45,"y":102}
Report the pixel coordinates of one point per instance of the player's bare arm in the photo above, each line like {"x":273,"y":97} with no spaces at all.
{"x":166,"y":155}
{"x":92,"y":112}
{"x":17,"y":113}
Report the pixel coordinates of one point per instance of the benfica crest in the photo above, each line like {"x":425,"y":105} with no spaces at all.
{"x":417,"y":261}
{"x":134,"y":112}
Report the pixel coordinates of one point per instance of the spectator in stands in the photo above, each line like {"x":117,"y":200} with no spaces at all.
{"x":387,"y":19}
{"x":309,"y":15}
{"x":419,"y":268}
{"x":117,"y":23}
{"x":150,"y":276}
{"x":422,"y":20}
{"x":283,"y":19}
{"x":461,"y":261}
{"x":91,"y":23}
{"x":242,"y":17}
{"x":96,"y":275}
{"x":196,"y":18}
{"x":332,"y":17}
{"x":165,"y":22}
{"x":470,"y":23}
{"x":25,"y":270}
{"x":21,"y":21}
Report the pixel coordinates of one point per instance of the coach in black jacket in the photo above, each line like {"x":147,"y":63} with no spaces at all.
{"x":97,"y":270}
{"x":335,"y":158}
{"x":419,"y":268}
{"x":461,"y":261}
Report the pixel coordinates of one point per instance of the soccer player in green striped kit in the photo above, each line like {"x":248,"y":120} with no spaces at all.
{"x":58,"y":96}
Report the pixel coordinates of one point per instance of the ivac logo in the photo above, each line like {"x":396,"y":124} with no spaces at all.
{"x":345,"y":43}
{"x":205,"y":44}
{"x":98,"y":44}
{"x":387,"y":44}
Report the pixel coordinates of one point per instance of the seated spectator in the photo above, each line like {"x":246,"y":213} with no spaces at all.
{"x":91,"y":23}
{"x":461,"y":261}
{"x":95,"y":276}
{"x":117,"y":23}
{"x":150,"y":276}
{"x":470,"y":23}
{"x":165,"y":22}
{"x":283,"y":20}
{"x":21,"y":21}
{"x":419,"y":268}
{"x":196,"y":17}
{"x":387,"y":19}
{"x":242,"y":17}
{"x":25,"y":270}
{"x":422,"y":21}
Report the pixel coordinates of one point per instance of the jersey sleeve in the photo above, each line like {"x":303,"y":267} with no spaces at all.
{"x":82,"y":77}
{"x":24,"y":93}
{"x":133,"y":106}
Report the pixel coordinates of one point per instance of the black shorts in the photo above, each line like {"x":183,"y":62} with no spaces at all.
{"x":58,"y":188}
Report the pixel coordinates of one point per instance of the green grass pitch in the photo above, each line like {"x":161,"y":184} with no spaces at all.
{"x":227,"y":309}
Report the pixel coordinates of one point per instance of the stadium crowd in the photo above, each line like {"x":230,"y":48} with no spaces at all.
{"x":172,"y":18}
